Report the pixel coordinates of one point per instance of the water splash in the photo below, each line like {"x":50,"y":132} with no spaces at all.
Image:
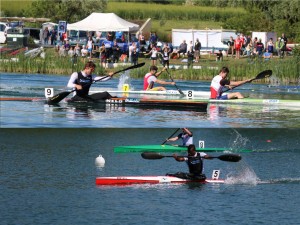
{"x":247,"y":176}
{"x":281,"y":181}
{"x":274,"y":81}
{"x":125,"y":79}
{"x":239,"y":142}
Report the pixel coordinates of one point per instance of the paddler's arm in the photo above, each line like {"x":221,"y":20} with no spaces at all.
{"x":164,"y":82}
{"x":188,"y":132}
{"x":173,"y":139}
{"x":237,"y":83}
{"x":178,"y":158}
{"x":72,"y":84}
{"x":158,"y":73}
{"x":207,"y":157}
{"x":101,"y":78}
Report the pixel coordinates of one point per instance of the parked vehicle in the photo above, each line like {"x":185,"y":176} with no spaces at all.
{"x":3,"y":32}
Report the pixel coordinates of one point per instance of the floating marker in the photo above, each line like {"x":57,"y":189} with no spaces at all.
{"x":100,"y":161}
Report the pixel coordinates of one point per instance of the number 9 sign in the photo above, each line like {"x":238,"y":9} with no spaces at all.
{"x":48,"y":92}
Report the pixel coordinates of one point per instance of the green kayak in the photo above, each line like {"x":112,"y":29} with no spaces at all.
{"x":170,"y":148}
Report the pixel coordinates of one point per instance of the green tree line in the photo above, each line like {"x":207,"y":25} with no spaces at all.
{"x":281,"y":16}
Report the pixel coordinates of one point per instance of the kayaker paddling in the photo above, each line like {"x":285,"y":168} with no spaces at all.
{"x":194,"y":161}
{"x":82,"y":81}
{"x":186,"y":136}
{"x":219,"y":82}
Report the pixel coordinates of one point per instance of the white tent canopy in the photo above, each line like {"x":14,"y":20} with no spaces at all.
{"x":103,"y":22}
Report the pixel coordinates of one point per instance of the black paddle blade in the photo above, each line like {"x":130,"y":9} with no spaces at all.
{"x":264,"y":74}
{"x":230,"y":157}
{"x":151,"y":155}
{"x":57,"y":98}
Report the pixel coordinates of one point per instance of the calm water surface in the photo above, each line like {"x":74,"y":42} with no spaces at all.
{"x":37,"y":114}
{"x":48,"y":177}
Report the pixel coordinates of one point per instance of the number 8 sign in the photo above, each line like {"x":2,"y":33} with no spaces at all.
{"x":189,"y":94}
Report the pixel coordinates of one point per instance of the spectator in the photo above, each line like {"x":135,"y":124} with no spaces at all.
{"x":62,"y":51}
{"x":249,"y":49}
{"x":115,"y":52}
{"x":255,"y":45}
{"x":153,"y":39}
{"x":190,"y":45}
{"x":90,"y":46}
{"x":238,"y":43}
{"x":243,"y":41}
{"x":283,"y":44}
{"x":267,"y":55}
{"x":259,"y":47}
{"x":190,"y":56}
{"x":230,"y":44}
{"x":182,"y":49}
{"x":131,"y":48}
{"x":109,"y":36}
{"x":154,"y":55}
{"x":270,"y":46}
{"x":278,"y":46}
{"x":46,"y":35}
{"x":142,"y":39}
{"x":71,"y":52}
{"x":134,"y":57}
{"x":119,"y":35}
{"x":219,"y":56}
{"x":84,"y":51}
{"x":103,"y":55}
{"x":166,"y":56}
{"x":77,"y":49}
{"x":197,"y":49}
{"x":67,"y":45}
{"x":53,"y":36}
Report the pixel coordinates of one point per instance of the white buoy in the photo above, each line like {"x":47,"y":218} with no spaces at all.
{"x":100,"y":161}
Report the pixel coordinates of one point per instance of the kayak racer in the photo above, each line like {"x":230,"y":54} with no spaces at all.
{"x":219,"y":82}
{"x":82,"y":81}
{"x":194,"y":161}
{"x":186,"y":135}
{"x":151,"y":78}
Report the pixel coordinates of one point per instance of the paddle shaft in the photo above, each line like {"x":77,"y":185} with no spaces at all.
{"x":170,"y":136}
{"x":119,"y":71}
{"x":261,"y":75}
{"x":180,"y":91}
{"x":225,"y":157}
{"x":57,"y":98}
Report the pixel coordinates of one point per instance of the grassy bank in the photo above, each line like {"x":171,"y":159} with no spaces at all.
{"x":286,"y":69}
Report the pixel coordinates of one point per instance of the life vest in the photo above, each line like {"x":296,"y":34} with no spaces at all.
{"x":195,"y":164}
{"x":215,"y":87}
{"x":148,"y":85}
{"x":85,"y":82}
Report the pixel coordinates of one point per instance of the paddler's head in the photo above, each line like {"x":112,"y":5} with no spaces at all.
{"x":191,"y":150}
{"x":153,"y":69}
{"x":224,"y":72}
{"x":89,"y":67}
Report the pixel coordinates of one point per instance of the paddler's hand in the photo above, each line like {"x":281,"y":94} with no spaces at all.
{"x":110,"y":74}
{"x":172,"y":83}
{"x":164,"y":69}
{"x":78,"y":87}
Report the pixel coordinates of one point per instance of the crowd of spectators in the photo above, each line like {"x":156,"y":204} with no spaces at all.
{"x":112,"y":49}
